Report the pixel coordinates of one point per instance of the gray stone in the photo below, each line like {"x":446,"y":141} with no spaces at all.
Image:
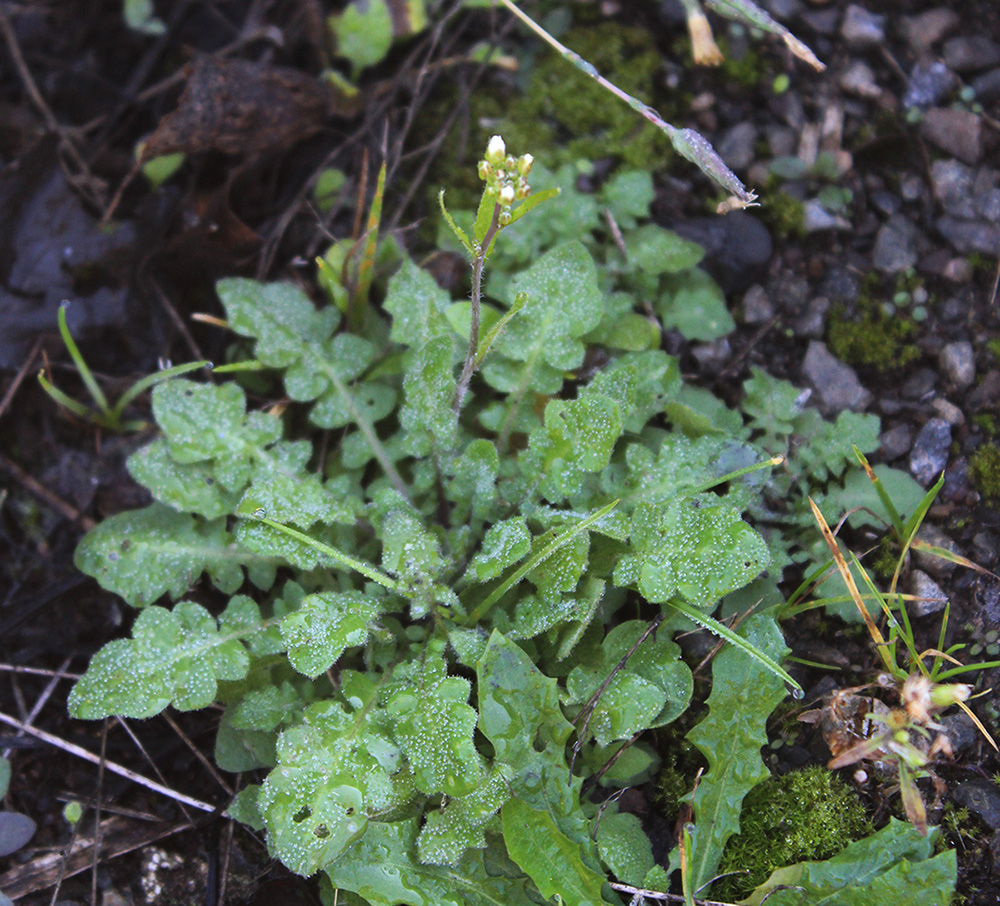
{"x":987,"y":86}
{"x":736,"y":147}
{"x":968,"y":236}
{"x":912,"y":187}
{"x":919,"y":385}
{"x":948,"y":411}
{"x":952,"y":184}
{"x":822,"y":21}
{"x":757,"y":307}
{"x":930,"y":598}
{"x":937,"y":567}
{"x":961,"y":731}
{"x":929,"y":455}
{"x":928,"y":84}
{"x":836,"y":384}
{"x":817,"y":219}
{"x":981,"y":796}
{"x":895,"y":248}
{"x":811,"y":324}
{"x":923,"y":31}
{"x":839,"y":284}
{"x":711,"y":357}
{"x":737,"y":247}
{"x":958,"y":270}
{"x":956,"y":132}
{"x":967,"y":53}
{"x":859,"y":79}
{"x":896,"y":441}
{"x":862,"y":28}
{"x":988,"y":205}
{"x":986,"y":395}
{"x":958,"y":362}
{"x":887,"y":203}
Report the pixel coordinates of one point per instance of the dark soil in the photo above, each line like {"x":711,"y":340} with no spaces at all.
{"x":79,"y":90}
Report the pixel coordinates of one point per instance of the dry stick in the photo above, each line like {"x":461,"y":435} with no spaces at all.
{"x":197,"y":753}
{"x":149,"y":759}
{"x":42,"y":699}
{"x":642,"y":894}
{"x":113,"y":767}
{"x":589,"y":708}
{"x":38,"y":671}
{"x":36,"y":97}
{"x":19,"y":377}
{"x":45,"y":495}
{"x":686,"y":142}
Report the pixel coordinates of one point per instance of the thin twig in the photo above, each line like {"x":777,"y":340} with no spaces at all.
{"x":588,"y":709}
{"x":19,"y":377}
{"x":197,"y":753}
{"x":42,"y":699}
{"x":642,"y":893}
{"x":110,"y":765}
{"x":43,"y":108}
{"x":45,"y":495}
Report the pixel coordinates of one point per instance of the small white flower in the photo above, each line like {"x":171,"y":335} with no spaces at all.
{"x":507,"y":195}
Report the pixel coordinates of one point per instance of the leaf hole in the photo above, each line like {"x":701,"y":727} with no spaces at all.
{"x":302,"y":814}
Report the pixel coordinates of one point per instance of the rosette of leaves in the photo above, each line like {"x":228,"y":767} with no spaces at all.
{"x":464,"y":596}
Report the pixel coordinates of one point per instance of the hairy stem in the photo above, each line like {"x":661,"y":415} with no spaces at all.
{"x":477,"y":294}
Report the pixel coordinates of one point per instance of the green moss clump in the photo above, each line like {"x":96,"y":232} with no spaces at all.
{"x":784,"y":214}
{"x":561,"y":107}
{"x":987,"y":423}
{"x":808,"y":815}
{"x":875,"y":339}
{"x":984,"y":467}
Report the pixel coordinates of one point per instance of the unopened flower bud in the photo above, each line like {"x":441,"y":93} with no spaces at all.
{"x":523,"y":189}
{"x":505,"y":217}
{"x":507,"y":196}
{"x":950,"y":694}
{"x":510,"y":162}
{"x":485,"y":170}
{"x":500,"y":175}
{"x":524,"y":163}
{"x":496,"y":151}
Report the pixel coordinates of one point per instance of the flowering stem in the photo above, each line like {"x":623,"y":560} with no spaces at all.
{"x":477,"y":289}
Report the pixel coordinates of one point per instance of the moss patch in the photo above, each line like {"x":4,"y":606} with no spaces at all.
{"x":874,"y":339}
{"x":804,"y":816}
{"x":984,"y":467}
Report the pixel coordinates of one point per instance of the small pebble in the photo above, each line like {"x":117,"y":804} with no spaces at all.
{"x":896,"y":441}
{"x":980,"y":796}
{"x":919,"y":385}
{"x":956,"y":132}
{"x":836,"y":384}
{"x":952,"y":182}
{"x":958,"y":270}
{"x":932,"y":598}
{"x":923,"y":31}
{"x":757,"y":307}
{"x":859,"y":79}
{"x":895,"y":248}
{"x":929,"y":455}
{"x":948,"y":411}
{"x":958,"y":362}
{"x":928,"y":84}
{"x":968,"y":53}
{"x":968,"y":236}
{"x":987,"y":86}
{"x":937,"y":567}
{"x":862,"y":28}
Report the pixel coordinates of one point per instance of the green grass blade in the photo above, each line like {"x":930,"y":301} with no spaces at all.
{"x":724,"y":632}
{"x":86,"y":375}
{"x":366,"y":267}
{"x":61,"y":399}
{"x":376,"y":575}
{"x":151,"y":380}
{"x":559,"y":541}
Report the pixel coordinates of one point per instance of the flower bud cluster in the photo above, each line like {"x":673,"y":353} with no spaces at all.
{"x":506,"y":176}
